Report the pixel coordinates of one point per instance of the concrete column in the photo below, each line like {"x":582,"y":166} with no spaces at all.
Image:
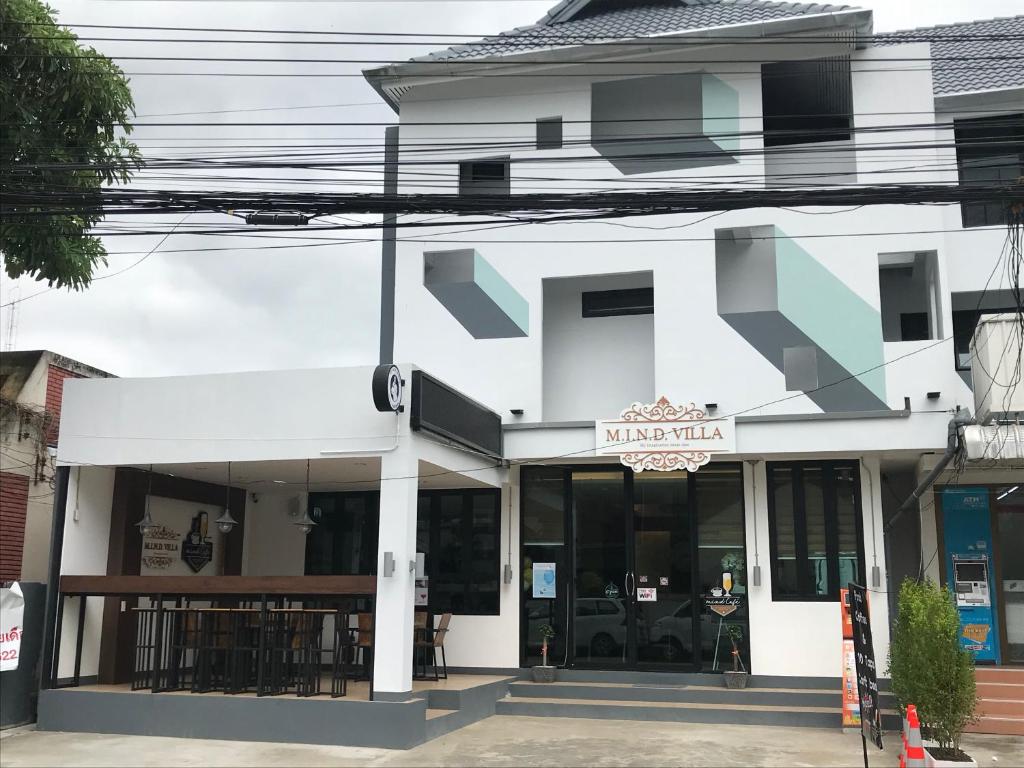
{"x":392,"y":664}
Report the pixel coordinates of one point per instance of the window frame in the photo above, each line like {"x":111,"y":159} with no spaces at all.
{"x":431,"y":504}
{"x":965,"y":130}
{"x":784,"y":127}
{"x":470,"y":186}
{"x":606,"y":308}
{"x":550,"y":142}
{"x":804,"y":593}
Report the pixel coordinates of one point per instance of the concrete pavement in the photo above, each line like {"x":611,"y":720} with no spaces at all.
{"x":506,"y":741}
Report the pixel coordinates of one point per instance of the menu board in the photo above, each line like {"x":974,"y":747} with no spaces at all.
{"x":867,"y":678}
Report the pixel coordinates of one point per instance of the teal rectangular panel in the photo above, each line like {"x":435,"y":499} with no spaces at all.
{"x":502,"y":293}
{"x":720,"y":112}
{"x":832,"y":315}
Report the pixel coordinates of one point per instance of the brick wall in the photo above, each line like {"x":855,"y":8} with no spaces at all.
{"x":54,"y":392}
{"x":13,"y":505}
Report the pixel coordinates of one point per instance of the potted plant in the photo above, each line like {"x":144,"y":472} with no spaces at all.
{"x":932,"y":670}
{"x":738,"y":676}
{"x":544,"y":673}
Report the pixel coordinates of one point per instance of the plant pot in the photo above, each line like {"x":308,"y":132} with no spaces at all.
{"x":736,"y":680}
{"x":544,"y":674}
{"x":963,"y":760}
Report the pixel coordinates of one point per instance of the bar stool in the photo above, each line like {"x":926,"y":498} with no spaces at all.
{"x":211,"y":659}
{"x":242,"y":652}
{"x":145,"y":648}
{"x":183,"y":647}
{"x":342,"y":647}
{"x":363,"y":645}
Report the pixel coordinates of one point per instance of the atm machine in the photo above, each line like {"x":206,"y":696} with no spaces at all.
{"x":967,"y":537}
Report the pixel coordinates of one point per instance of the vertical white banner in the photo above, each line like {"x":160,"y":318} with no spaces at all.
{"x":12,"y":614}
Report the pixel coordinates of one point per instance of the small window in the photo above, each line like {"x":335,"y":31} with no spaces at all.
{"x":549,"y":133}
{"x":968,"y":309}
{"x":485,"y":177}
{"x":909,"y":296}
{"x":989,"y":150}
{"x":806,"y":101}
{"x":814,"y":521}
{"x":459,"y":531}
{"x":626,"y":301}
{"x":344,"y":540}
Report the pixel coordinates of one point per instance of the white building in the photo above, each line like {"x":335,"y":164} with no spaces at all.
{"x":829,"y":347}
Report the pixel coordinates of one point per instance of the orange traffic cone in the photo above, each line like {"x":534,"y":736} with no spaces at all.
{"x":915,"y":749}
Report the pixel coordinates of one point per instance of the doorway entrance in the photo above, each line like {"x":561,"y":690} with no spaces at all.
{"x":633,"y":555}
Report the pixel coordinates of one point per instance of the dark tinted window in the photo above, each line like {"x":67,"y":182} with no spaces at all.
{"x":549,"y":133}
{"x":989,"y":150}
{"x":344,"y":540}
{"x":484,"y":177}
{"x":459,"y":531}
{"x":806,"y":101}
{"x":814,"y":518}
{"x":627,"y":301}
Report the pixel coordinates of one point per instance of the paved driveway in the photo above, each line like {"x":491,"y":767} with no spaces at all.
{"x":504,"y":741}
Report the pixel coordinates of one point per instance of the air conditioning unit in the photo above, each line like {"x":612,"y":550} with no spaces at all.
{"x":1001,"y":442}
{"x":995,"y":348}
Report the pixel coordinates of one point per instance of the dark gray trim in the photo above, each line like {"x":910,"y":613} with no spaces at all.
{"x":388,"y":250}
{"x":549,"y":425}
{"x":507,"y":671}
{"x":83,"y":680}
{"x":392,"y":696}
{"x":47,"y":657}
{"x":243,"y":718}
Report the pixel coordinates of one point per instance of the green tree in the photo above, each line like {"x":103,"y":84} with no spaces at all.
{"x":64,"y":112}
{"x":927,"y":664}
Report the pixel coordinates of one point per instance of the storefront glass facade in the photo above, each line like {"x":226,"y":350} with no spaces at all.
{"x":633,"y":555}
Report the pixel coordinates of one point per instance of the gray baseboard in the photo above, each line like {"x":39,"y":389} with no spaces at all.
{"x":267,"y":719}
{"x":506,"y":671}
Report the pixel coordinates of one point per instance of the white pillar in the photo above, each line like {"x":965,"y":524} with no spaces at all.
{"x":392,"y":663}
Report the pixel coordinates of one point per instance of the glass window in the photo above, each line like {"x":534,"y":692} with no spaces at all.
{"x":815,"y":529}
{"x":806,"y":101}
{"x":989,"y":150}
{"x":344,"y":540}
{"x":543,"y":530}
{"x":459,"y":532}
{"x":549,"y":133}
{"x":543,"y":505}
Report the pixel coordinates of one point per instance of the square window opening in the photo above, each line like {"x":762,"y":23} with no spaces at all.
{"x":908,"y":287}
{"x":485,"y":178}
{"x":806,"y":101}
{"x":969,"y":307}
{"x":549,"y":133}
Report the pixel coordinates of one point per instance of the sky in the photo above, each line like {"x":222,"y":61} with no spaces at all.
{"x":174,"y":313}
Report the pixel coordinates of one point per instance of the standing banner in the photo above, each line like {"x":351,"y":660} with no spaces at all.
{"x":12,"y":626}
{"x":867,"y":678}
{"x":851,"y":696}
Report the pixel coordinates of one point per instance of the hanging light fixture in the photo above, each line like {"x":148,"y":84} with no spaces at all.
{"x":306,"y":523}
{"x":226,"y":522}
{"x":146,"y":525}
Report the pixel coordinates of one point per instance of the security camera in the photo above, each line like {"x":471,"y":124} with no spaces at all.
{"x":255,"y":497}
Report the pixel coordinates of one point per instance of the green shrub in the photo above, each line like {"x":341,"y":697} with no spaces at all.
{"x":927,"y":664}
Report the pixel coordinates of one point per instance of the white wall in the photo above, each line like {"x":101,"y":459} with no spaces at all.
{"x":805,"y":638}
{"x":274,"y":545}
{"x":86,"y":540}
{"x":594,"y":365}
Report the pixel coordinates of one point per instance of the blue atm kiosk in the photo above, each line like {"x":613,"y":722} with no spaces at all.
{"x":967,"y":536}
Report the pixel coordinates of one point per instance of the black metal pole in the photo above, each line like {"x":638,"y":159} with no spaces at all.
{"x":388,"y":250}
{"x":864,"y":746}
{"x":47,"y":666}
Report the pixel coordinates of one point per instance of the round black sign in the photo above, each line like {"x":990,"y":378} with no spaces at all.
{"x":387,"y":388}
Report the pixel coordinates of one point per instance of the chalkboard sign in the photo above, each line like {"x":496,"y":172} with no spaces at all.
{"x":867,"y":678}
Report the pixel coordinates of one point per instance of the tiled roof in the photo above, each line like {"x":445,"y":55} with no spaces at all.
{"x":953,"y":45}
{"x":623,"y":21}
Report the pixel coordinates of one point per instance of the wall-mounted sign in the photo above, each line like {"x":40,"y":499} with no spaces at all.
{"x":544,"y":580}
{"x":160,"y":548}
{"x":387,"y":387}
{"x":647,"y":594}
{"x":422,"y":593}
{"x":665,"y":437}
{"x":197,"y":548}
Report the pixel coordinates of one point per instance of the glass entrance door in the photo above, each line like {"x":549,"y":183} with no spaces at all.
{"x":666,"y":614}
{"x":602,"y":612}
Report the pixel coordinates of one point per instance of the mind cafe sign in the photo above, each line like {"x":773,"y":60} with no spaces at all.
{"x":665,"y":437}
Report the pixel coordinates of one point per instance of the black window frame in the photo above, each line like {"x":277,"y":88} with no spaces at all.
{"x":988,"y":138}
{"x":429,"y":501}
{"x":371,"y":499}
{"x":471,"y":184}
{"x":617,"y":302}
{"x":549,"y":132}
{"x":786,"y":122}
{"x":805,"y":593}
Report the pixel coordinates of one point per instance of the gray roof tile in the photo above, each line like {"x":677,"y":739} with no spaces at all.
{"x":979,"y":40}
{"x":641,"y":18}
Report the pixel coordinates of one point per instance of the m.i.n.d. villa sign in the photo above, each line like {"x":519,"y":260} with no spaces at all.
{"x":665,"y":437}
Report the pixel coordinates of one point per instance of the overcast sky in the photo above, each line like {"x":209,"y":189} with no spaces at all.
{"x":179,"y":313}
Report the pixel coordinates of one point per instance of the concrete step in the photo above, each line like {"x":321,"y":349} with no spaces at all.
{"x":683,"y":694}
{"x":1000,"y":690}
{"x":1012,"y":675}
{"x":1006,"y":726}
{"x":1001,"y":707}
{"x":692,"y":712}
